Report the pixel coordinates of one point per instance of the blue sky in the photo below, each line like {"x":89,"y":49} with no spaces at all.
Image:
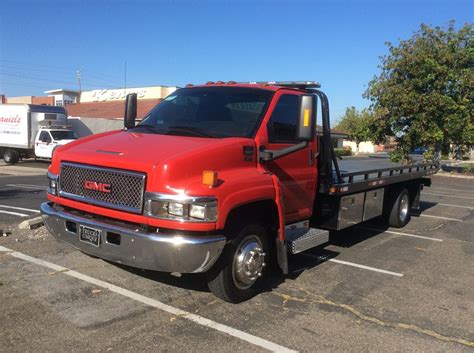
{"x":338,"y":43}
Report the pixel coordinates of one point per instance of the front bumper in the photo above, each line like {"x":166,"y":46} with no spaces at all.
{"x":152,"y":251}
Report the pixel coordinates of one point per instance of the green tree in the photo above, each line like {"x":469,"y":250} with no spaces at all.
{"x":424,"y":93}
{"x":357,"y":125}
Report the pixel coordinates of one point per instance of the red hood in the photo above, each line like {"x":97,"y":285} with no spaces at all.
{"x":179,"y":157}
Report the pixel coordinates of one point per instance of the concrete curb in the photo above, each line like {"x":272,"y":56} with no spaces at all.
{"x":31,"y":223}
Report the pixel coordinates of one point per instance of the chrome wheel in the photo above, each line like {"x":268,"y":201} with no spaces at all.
{"x":404,"y":203}
{"x":248,"y":262}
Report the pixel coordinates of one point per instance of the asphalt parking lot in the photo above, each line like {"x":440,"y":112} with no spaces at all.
{"x":371,"y":289}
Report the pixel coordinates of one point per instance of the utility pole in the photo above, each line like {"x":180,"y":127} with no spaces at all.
{"x":78,"y":76}
{"x":125,"y":77}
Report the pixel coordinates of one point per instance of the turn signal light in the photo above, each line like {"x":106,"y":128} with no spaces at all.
{"x":209,"y":177}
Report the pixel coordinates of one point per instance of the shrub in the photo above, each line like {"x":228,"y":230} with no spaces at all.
{"x":341,"y":152}
{"x":429,"y":155}
{"x":468,"y":168}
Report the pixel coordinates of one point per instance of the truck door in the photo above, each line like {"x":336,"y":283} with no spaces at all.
{"x":43,"y":145}
{"x":296,"y":171}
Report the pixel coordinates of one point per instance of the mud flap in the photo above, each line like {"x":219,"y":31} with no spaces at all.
{"x":282,"y":255}
{"x":416,"y":200}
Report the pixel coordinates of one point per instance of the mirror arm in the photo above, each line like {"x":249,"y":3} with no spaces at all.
{"x":270,"y":155}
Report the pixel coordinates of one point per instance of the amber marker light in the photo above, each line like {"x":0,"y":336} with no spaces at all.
{"x":306,"y":117}
{"x":209,"y":177}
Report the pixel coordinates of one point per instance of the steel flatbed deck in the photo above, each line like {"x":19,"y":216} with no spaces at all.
{"x":368,"y":173}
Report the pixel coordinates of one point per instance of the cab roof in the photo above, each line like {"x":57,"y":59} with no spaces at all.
{"x":268,"y":85}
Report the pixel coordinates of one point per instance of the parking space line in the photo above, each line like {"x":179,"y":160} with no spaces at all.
{"x":14,"y":213}
{"x":400,"y":233}
{"x":257,"y":341}
{"x":445,"y":218}
{"x":450,"y":205}
{"x":366,"y":267}
{"x":27,"y":186}
{"x":435,"y":188}
{"x":324,"y":258}
{"x":458,"y":197}
{"x":20,"y":208}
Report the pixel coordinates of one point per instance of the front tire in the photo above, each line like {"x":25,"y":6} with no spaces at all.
{"x":238,"y":274}
{"x":400,"y":210}
{"x":11,"y":156}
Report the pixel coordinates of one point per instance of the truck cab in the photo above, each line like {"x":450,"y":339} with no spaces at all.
{"x":222,"y":179}
{"x":47,"y":139}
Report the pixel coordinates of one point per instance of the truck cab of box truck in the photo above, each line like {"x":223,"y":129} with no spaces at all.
{"x":48,"y":139}
{"x":219,"y":178}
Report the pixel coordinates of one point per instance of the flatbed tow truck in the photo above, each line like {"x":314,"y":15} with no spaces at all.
{"x":220,"y":178}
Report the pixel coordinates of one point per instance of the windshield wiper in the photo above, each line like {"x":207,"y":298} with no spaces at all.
{"x":149,"y":128}
{"x":190,"y":129}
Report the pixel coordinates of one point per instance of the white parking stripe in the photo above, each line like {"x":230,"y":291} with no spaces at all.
{"x":435,"y":188}
{"x":450,"y":205}
{"x":14,"y":213}
{"x":366,"y":267}
{"x":324,"y":258}
{"x":446,"y":218}
{"x":458,"y":197}
{"x":257,"y":341}
{"x":400,"y":233}
{"x":20,"y":208}
{"x":27,"y":186}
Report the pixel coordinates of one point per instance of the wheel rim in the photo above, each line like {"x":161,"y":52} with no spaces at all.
{"x":403,"y":207}
{"x":248,"y":263}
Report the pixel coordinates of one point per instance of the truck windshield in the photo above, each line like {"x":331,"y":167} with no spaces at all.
{"x":63,"y":135}
{"x":208,"y":112}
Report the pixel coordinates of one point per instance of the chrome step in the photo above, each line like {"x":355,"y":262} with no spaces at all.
{"x":300,"y":237}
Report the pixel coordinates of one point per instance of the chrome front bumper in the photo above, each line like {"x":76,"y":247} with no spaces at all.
{"x":152,"y":251}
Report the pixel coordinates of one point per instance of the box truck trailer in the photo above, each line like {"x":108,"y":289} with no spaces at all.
{"x":28,"y":130}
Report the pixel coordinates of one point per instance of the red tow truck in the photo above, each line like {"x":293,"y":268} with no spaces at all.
{"x":221,"y":178}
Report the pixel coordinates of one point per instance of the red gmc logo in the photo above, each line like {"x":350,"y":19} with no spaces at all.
{"x":94,"y":185}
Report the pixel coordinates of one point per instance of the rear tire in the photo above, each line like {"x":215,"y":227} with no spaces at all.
{"x":400,"y":210}
{"x":238,"y":273}
{"x":11,"y":156}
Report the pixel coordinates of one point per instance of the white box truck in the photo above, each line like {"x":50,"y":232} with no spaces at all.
{"x":28,"y":130}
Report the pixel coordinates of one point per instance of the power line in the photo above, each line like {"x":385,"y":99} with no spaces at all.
{"x":34,"y":67}
{"x":78,"y":75}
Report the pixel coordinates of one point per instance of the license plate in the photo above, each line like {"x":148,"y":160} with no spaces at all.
{"x":90,"y":235}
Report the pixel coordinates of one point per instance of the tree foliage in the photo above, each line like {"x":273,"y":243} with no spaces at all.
{"x":357,"y":125}
{"x":424,"y":93}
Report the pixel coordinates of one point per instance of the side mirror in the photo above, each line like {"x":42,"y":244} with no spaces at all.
{"x":307,"y":117}
{"x":130,"y":111}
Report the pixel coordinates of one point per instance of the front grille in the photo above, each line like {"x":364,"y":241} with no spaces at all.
{"x":112,"y":188}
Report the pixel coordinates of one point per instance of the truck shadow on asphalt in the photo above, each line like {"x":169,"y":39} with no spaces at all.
{"x":18,"y":193}
{"x":424,"y":205}
{"x":298,"y":263}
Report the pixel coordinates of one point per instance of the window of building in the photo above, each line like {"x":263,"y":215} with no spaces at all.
{"x":282,"y":125}
{"x":59,"y":102}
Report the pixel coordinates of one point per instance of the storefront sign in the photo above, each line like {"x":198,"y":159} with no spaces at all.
{"x":105,"y":95}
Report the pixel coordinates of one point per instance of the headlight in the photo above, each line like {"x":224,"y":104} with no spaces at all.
{"x":190,"y":209}
{"x":197,"y":211}
{"x":53,"y":184}
{"x":176,"y":209}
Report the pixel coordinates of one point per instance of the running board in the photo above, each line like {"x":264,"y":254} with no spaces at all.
{"x":300,"y":237}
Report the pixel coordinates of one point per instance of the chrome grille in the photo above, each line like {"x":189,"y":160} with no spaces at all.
{"x":125,"y":191}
